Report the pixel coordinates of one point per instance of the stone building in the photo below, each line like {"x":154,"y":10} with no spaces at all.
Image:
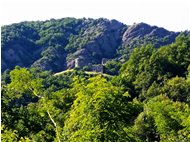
{"x":79,"y":62}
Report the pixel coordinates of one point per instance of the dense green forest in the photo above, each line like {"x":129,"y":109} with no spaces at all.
{"x":148,"y":100}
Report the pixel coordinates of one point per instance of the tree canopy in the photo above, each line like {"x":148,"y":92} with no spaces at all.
{"x":148,"y":99}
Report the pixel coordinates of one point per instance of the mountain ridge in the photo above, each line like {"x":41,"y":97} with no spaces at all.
{"x":56,"y":45}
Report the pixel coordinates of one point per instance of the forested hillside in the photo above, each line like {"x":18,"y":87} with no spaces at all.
{"x":62,"y":44}
{"x":148,"y":99}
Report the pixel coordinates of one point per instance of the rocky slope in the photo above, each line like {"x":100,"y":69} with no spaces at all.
{"x":57,"y":45}
{"x":143,"y":34}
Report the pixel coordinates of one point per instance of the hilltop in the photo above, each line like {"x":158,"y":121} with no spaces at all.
{"x":62,"y":44}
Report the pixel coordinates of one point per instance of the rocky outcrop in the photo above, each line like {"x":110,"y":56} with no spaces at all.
{"x":103,"y":45}
{"x":142,"y":33}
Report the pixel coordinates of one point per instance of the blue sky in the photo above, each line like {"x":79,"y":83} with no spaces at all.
{"x":171,"y":14}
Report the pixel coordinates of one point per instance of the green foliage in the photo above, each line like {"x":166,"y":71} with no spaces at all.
{"x":100,"y":113}
{"x":148,"y":101}
{"x":51,"y":44}
{"x":32,"y":39}
{"x":144,"y":128}
{"x":112,"y":67}
{"x":8,"y":135}
{"x":5,"y":77}
{"x":169,"y":118}
{"x":178,"y":53}
{"x":147,"y":65}
{"x":22,"y":81}
{"x":76,"y":42}
{"x":178,"y":89}
{"x":137,"y":62}
{"x":163,"y":120}
{"x":27,"y":107}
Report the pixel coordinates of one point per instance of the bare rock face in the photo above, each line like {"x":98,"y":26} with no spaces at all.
{"x":103,"y":45}
{"x":142,"y":33}
{"x":136,"y":31}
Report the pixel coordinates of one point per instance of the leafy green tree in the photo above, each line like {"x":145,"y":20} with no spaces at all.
{"x":141,"y":70}
{"x":168,"y":120}
{"x":8,"y":135}
{"x":23,"y":82}
{"x":100,"y":113}
{"x":136,"y":63}
{"x":74,"y":106}
{"x":144,"y":128}
{"x":178,"y":53}
{"x":178,"y":89}
{"x":112,"y":67}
